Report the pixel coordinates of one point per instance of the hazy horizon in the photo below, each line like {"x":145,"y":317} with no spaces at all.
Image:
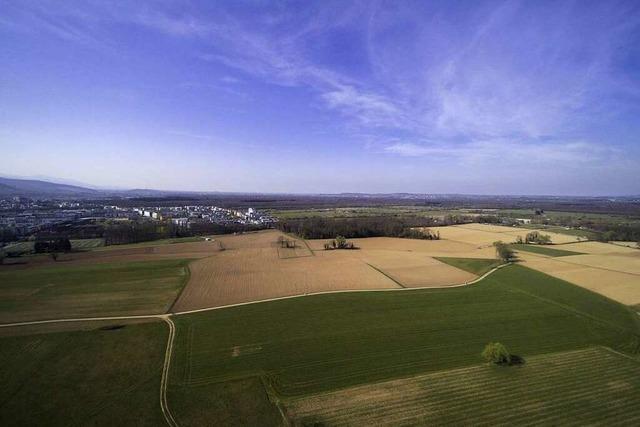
{"x":503,"y":98}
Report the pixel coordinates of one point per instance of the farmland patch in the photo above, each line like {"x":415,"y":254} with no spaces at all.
{"x":582,"y":387}
{"x":68,"y":291}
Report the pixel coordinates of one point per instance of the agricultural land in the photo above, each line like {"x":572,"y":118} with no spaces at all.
{"x":245,"y":330}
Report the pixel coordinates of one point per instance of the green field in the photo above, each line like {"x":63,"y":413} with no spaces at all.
{"x":21,"y":248}
{"x":102,"y":377}
{"x":583,"y":387}
{"x":365,"y":211}
{"x":477,"y":266}
{"x":148,"y":287}
{"x":319,"y":343}
{"x":18,"y":248}
{"x":544,"y":250}
{"x":159,"y":242}
{"x":86,"y":244}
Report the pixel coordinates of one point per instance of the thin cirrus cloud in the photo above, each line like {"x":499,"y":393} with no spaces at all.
{"x":481,"y":83}
{"x":513,"y":72}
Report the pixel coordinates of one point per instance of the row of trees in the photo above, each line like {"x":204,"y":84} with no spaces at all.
{"x":327,"y":228}
{"x":420,"y":233}
{"x":117,"y":233}
{"x":534,"y":237}
{"x":52,"y":245}
{"x":340,"y":242}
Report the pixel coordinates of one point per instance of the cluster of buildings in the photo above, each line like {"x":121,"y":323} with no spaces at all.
{"x":25,"y":216}
{"x":184,"y":215}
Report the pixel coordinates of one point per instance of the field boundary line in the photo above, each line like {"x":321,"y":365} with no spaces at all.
{"x":185,"y":283}
{"x":273,"y":397}
{"x":164,"y":404}
{"x":82,"y":319}
{"x":308,"y":247}
{"x":570,"y":309}
{"x":386,"y":275}
{"x":621,"y":354}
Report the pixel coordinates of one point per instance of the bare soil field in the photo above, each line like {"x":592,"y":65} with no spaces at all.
{"x":252,"y":274}
{"x":254,"y":267}
{"x":414,"y":269}
{"x":428,"y":247}
{"x":627,"y":263}
{"x":633,"y":245}
{"x":253,"y":240}
{"x":594,"y":272}
{"x":598,"y":248}
{"x":609,"y":269}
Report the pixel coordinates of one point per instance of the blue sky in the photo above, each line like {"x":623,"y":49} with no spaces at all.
{"x":433,"y":97}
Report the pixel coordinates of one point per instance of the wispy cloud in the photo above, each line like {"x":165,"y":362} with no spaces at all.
{"x":501,"y":152}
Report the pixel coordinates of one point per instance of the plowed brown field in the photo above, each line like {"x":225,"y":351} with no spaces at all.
{"x":254,"y":267}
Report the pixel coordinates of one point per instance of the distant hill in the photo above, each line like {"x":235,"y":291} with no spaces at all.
{"x":32,"y":187}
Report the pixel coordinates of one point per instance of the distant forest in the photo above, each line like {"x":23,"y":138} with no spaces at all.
{"x":123,"y":232}
{"x":382,"y":226}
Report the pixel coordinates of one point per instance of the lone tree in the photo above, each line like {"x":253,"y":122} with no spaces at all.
{"x":494,"y":352}
{"x":504,"y":252}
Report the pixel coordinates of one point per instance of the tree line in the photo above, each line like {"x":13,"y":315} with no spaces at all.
{"x":328,"y":228}
{"x":118,"y":233}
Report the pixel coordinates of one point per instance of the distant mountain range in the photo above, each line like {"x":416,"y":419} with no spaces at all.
{"x":38,"y":188}
{"x":32,"y":187}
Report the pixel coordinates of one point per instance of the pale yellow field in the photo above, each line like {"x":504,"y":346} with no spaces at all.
{"x":414,"y":269}
{"x":633,"y":245}
{"x":443,"y":248}
{"x":486,"y":234}
{"x":598,"y":248}
{"x":627,"y":263}
{"x":595,"y":272}
{"x":235,"y":276}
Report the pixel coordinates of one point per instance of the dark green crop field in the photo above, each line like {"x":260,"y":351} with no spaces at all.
{"x":314,"y":344}
{"x":544,"y":250}
{"x":477,"y":266}
{"x":100,"y":377}
{"x":128,"y":288}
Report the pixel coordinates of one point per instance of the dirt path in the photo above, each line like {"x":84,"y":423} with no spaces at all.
{"x":164,"y":404}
